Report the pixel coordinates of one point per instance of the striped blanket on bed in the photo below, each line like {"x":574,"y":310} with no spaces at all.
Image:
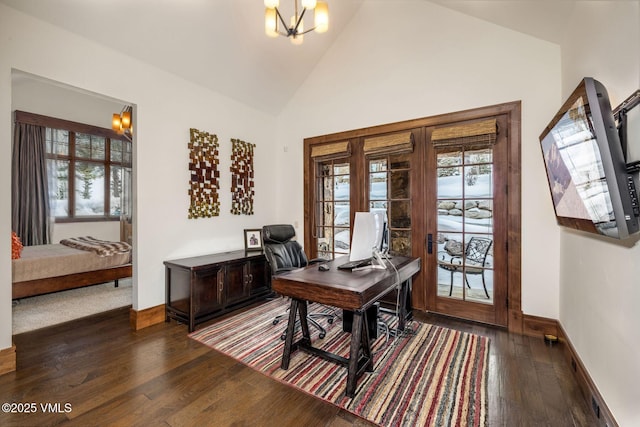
{"x":101,"y":247}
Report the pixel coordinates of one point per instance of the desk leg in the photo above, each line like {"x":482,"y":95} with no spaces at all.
{"x":354,"y":354}
{"x":366,"y":342}
{"x":304,"y":322}
{"x":291,"y":329}
{"x":402,"y":310}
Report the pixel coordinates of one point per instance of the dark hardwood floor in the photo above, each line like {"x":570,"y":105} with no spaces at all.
{"x":97,"y":372}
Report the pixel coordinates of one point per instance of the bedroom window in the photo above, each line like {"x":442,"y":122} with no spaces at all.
{"x":86,"y":174}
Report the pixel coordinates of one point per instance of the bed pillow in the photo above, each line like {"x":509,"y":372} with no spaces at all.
{"x":16,"y":246}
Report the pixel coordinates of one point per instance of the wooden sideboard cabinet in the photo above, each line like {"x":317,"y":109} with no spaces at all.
{"x":203,"y":287}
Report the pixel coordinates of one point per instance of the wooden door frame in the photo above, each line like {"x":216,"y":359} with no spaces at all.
{"x":512,"y":110}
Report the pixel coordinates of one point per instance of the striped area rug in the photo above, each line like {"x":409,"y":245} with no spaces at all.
{"x":433,"y":377}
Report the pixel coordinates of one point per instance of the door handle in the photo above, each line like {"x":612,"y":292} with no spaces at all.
{"x":429,"y":243}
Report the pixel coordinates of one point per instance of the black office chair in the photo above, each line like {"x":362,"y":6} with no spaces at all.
{"x":285,"y":254}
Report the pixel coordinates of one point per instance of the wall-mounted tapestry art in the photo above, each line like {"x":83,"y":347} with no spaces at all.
{"x":242,"y":177}
{"x":205,"y":176}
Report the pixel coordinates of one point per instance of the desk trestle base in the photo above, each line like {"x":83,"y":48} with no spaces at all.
{"x":360,"y":358}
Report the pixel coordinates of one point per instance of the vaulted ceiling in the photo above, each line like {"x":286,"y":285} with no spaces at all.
{"x":220,"y":44}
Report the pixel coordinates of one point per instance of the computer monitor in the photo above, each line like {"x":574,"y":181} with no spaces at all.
{"x":368,"y":231}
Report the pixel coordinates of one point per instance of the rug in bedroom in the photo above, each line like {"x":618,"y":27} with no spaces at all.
{"x":47,"y":310}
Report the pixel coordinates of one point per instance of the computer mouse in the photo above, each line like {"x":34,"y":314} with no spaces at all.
{"x":324,"y":267}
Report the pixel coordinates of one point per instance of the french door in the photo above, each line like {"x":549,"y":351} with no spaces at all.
{"x":465,"y":176}
{"x":450,"y":188}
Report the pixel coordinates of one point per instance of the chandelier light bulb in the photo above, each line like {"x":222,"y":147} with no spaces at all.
{"x":309,"y":4}
{"x":321,"y":17}
{"x":271,"y":22}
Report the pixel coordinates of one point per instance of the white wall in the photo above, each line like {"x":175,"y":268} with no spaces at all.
{"x":50,"y":98}
{"x":600,"y":280}
{"x":417,"y":59}
{"x":167,"y":107}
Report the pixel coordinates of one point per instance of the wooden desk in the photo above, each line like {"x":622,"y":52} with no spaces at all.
{"x":349,"y":290}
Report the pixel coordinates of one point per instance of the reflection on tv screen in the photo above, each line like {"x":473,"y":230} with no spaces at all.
{"x":576,"y":175}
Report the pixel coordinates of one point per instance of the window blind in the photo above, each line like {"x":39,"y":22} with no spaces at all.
{"x":394,"y":143}
{"x":478,"y":134}
{"x":330,"y":150}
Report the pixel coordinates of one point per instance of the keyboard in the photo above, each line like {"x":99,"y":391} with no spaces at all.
{"x":355,"y":264}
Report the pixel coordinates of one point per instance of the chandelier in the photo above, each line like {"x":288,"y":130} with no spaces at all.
{"x":274,"y":23}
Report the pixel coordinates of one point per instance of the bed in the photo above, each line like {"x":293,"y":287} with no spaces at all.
{"x":51,"y":268}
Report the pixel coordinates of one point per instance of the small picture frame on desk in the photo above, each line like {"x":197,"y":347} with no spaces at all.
{"x":253,"y":239}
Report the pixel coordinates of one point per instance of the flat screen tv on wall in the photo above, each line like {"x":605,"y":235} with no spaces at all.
{"x":591,"y":188}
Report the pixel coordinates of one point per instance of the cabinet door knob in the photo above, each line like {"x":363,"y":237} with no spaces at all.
{"x":220,"y":284}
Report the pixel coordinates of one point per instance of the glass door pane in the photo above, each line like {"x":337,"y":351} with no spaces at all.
{"x":390,"y":192}
{"x":465,"y":224}
{"x":332,"y":208}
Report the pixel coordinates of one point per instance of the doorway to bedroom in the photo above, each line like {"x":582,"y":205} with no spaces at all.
{"x":91,"y":194}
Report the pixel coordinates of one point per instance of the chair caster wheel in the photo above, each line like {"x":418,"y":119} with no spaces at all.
{"x":275,"y":322}
{"x":330,"y":320}
{"x":321,"y":336}
{"x":283,"y":337}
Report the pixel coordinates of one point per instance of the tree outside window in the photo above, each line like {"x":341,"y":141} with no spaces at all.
{"x":87,"y":173}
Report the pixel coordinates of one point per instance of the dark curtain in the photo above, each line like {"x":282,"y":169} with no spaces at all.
{"x":30,"y":215}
